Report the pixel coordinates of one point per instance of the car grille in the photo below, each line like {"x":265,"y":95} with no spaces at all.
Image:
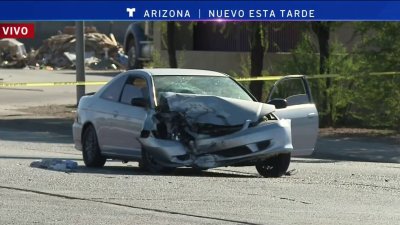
{"x":242,"y":150}
{"x":232,"y":152}
{"x":215,"y":131}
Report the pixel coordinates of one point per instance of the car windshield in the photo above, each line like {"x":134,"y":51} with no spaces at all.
{"x":203,"y":85}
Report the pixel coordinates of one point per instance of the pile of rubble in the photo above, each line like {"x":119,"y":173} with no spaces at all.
{"x":101,"y":52}
{"x":59,"y":51}
{"x":12,"y":53}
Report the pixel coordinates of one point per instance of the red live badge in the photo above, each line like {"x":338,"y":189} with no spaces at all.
{"x":17,"y":30}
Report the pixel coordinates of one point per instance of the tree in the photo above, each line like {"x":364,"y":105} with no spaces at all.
{"x":379,"y":51}
{"x":257,"y":49}
{"x":171,"y":27}
{"x":322,"y":30}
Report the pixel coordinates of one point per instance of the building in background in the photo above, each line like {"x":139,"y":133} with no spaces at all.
{"x":216,"y":46}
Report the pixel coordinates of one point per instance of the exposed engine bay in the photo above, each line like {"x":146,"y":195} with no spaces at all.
{"x":186,"y":116}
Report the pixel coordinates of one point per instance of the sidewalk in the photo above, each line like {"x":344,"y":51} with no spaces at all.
{"x":357,"y":149}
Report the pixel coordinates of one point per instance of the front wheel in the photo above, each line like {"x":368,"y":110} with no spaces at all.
{"x":150,"y":164}
{"x":91,"y":151}
{"x":275,"y":166}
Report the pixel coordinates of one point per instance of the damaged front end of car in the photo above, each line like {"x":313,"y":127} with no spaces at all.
{"x":206,"y":131}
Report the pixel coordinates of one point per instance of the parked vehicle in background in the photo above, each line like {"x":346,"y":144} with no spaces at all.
{"x":169,"y":118}
{"x":138,"y":44}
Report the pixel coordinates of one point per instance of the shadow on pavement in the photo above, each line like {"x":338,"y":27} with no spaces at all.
{"x":356,"y":149}
{"x":135,"y":170}
{"x":182,"y":172}
{"x":299,"y":160}
{"x":48,"y":130}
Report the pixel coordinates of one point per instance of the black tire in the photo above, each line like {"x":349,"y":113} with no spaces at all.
{"x":149,"y":164}
{"x":275,"y":166}
{"x":91,"y":152}
{"x":133,"y":61}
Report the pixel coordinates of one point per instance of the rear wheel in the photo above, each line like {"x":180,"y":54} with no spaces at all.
{"x":275,"y":166}
{"x":150,"y":164}
{"x":91,"y":152}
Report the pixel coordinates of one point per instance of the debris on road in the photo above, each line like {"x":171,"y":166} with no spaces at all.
{"x":12,"y":53}
{"x":291,"y":172}
{"x":55,"y":164}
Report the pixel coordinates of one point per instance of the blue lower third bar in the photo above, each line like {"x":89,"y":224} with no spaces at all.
{"x":200,"y":10}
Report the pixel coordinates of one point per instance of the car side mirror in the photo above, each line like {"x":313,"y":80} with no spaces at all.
{"x":140,"y":102}
{"x":279,"y":103}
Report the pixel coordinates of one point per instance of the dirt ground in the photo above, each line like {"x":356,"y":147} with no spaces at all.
{"x":54,"y":111}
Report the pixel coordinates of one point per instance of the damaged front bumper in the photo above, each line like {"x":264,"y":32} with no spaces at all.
{"x":245,"y":146}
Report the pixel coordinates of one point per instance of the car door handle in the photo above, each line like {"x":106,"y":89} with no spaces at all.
{"x":311,"y":115}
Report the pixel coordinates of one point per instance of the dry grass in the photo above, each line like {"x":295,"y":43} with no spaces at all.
{"x":57,"y":111}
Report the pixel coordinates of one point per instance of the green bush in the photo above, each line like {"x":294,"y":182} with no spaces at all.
{"x":356,"y":98}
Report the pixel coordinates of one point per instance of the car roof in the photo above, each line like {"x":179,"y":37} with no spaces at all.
{"x":181,"y":72}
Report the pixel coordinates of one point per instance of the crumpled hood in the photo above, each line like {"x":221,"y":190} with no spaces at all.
{"x":209,"y":109}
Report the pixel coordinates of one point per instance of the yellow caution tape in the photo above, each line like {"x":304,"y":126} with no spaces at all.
{"x":259,"y":78}
{"x":279,"y":77}
{"x":384,"y":73}
{"x":94,"y":83}
{"x":323,"y":76}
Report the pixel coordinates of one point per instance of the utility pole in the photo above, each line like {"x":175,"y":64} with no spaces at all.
{"x":80,"y":59}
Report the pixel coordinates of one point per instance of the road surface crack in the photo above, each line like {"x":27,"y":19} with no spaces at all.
{"x":126,"y":206}
{"x":294,"y":200}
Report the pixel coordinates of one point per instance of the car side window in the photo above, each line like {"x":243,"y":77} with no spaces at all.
{"x":113,"y":91}
{"x":135,"y":87}
{"x":291,"y":89}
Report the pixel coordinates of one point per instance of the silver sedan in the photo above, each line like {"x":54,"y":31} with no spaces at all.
{"x":169,"y":118}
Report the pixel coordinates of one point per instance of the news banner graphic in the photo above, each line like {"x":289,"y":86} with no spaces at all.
{"x":278,"y":10}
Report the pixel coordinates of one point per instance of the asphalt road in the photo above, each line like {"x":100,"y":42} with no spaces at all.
{"x":326,"y":189}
